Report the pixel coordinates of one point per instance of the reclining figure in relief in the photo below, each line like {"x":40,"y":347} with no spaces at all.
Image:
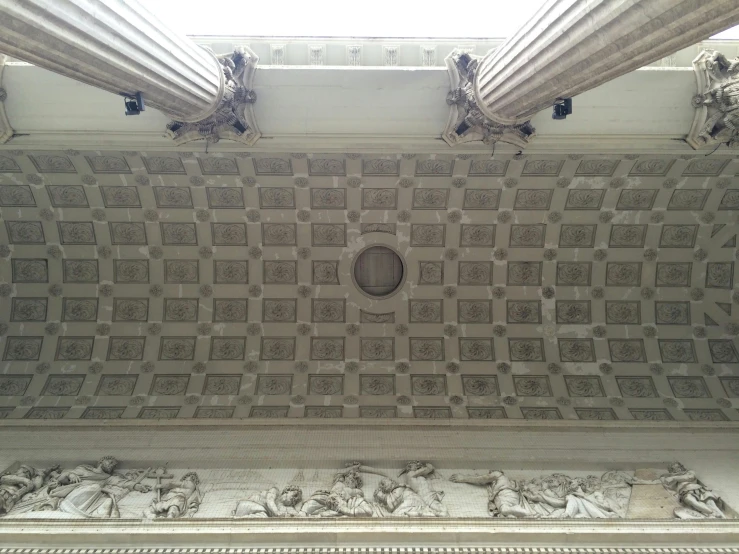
{"x":271,"y":503}
{"x":698,"y":501}
{"x":554,"y":496}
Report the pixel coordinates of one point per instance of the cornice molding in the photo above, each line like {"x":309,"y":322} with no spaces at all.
{"x":304,"y":536}
{"x":325,"y":144}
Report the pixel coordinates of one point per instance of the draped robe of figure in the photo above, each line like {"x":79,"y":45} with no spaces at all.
{"x":14,"y":486}
{"x":97,"y":493}
{"x":341,"y":500}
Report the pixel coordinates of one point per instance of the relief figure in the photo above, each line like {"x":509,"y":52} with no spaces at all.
{"x":410,"y":495}
{"x":176,"y":499}
{"x":16,"y":484}
{"x":345,"y":498}
{"x":697,"y":501}
{"x":271,"y":503}
{"x":94,"y":491}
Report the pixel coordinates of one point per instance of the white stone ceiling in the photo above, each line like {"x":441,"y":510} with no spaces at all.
{"x":162,"y":285}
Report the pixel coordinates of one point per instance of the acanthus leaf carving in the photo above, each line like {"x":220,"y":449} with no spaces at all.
{"x":466,"y":122}
{"x":233,"y":117}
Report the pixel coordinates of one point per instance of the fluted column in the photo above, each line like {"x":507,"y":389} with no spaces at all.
{"x":571,"y":46}
{"x":116,"y":45}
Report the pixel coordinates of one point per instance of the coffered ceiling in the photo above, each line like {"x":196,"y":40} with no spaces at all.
{"x":180,"y":285}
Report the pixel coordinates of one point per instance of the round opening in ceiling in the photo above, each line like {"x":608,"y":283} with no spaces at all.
{"x":379,"y":271}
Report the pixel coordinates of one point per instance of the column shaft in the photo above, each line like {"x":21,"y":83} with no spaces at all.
{"x":116,"y":45}
{"x":571,"y":46}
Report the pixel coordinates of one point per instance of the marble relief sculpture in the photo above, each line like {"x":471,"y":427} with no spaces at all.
{"x":345,"y":498}
{"x":94,"y":491}
{"x":411,"y":495}
{"x":553,"y":496}
{"x":17,"y":484}
{"x":697,"y":501}
{"x":271,"y":503}
{"x":102,"y":491}
{"x":717,"y":101}
{"x":176,"y":500}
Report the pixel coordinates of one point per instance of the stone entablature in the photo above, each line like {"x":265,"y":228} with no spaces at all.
{"x":398,"y":52}
{"x":108,"y":490}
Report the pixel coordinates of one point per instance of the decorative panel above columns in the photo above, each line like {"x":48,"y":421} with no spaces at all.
{"x":569,"y":47}
{"x":120,"y":47}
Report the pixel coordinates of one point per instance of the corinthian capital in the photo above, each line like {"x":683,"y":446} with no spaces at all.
{"x":232,"y":117}
{"x":716,"y":102}
{"x":467,"y":122}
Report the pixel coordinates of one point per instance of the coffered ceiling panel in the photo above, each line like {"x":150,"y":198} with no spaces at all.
{"x":160,"y":285}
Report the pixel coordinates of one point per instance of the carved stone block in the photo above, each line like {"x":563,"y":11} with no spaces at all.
{"x":527,"y":236}
{"x":379,"y":199}
{"x":627,"y":350}
{"x":523,"y":311}
{"x":116,"y":385}
{"x":326,"y":384}
{"x":28,"y":309}
{"x":426,"y":349}
{"x":325,"y":348}
{"x":120,"y":197}
{"x":277,"y":348}
{"x":376,"y":349}
{"x":428,"y":235}
{"x":25,"y":270}
{"x":173,"y":197}
{"x":79,"y":309}
{"x":576,"y":350}
{"x":23,"y":348}
{"x":426,"y":311}
{"x":475,"y":273}
{"x":377,"y":385}
{"x":636,"y":199}
{"x":573,"y":312}
{"x":584,"y":199}
{"x":126,"y":233}
{"x":476,"y":349}
{"x":131,"y":271}
{"x":222,"y":385}
{"x":227,"y":348}
{"x":273,"y":385}
{"x":474,"y":311}
{"x":428,"y":385}
{"x":74,"y":348}
{"x":181,"y":309}
{"x":524,"y":273}
{"x":278,"y":310}
{"x":177,"y":234}
{"x":68,"y":196}
{"x":526,"y":350}
{"x":228,"y":234}
{"x":280,"y":273}
{"x":177,"y":348}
